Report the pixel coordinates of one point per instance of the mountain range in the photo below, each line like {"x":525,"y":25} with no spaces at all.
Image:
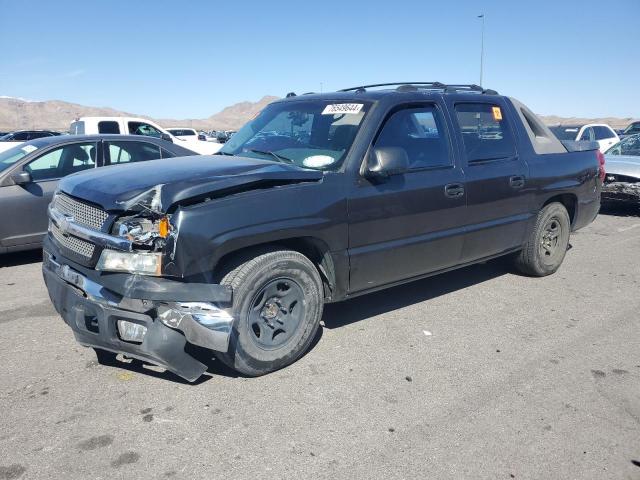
{"x":17,"y":113}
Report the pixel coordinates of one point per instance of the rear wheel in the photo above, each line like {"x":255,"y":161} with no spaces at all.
{"x":547,"y":243}
{"x":277,"y":306}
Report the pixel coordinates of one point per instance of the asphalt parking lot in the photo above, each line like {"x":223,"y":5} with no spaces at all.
{"x":480,"y":373}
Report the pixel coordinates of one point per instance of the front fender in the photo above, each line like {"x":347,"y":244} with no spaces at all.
{"x":211,"y":230}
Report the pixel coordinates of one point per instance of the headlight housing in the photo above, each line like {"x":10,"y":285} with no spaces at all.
{"x":143,"y":230}
{"x":143,"y":263}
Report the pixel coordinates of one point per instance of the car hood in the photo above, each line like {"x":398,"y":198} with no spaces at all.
{"x":161,"y":185}
{"x":6,"y":145}
{"x":627,"y":165}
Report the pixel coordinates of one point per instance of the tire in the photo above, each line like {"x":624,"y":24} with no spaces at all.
{"x":547,"y":244}
{"x":277,"y":307}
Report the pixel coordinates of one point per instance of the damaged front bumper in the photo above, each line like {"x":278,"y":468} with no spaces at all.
{"x":167,"y":315}
{"x":621,"y":191}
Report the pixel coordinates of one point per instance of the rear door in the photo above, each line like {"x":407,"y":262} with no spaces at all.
{"x":409,"y":224}
{"x":496,"y":179}
{"x":28,"y":203}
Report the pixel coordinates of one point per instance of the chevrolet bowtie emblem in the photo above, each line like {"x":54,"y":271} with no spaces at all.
{"x":64,"y":224}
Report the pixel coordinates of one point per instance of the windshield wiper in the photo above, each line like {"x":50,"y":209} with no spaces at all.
{"x":224,"y":153}
{"x":275,"y":155}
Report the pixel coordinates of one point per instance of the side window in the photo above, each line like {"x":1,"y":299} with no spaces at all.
{"x":141,"y":128}
{"x":63,"y":161}
{"x":108,"y":127}
{"x":602,"y":133}
{"x":34,"y":135}
{"x":587,"y":135}
{"x":421,"y":133}
{"x":21,"y":137}
{"x":182,"y":133}
{"x":128,"y":151}
{"x":166,"y":153}
{"x":485,"y":132}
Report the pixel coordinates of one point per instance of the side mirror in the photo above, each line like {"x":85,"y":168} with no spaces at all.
{"x":386,"y":161}
{"x":21,"y":178}
{"x":167,"y":137}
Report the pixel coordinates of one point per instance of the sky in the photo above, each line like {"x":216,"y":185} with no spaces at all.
{"x":189,"y":59}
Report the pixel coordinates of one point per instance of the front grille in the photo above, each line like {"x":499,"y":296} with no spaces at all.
{"x":82,"y":213}
{"x":75,"y":245}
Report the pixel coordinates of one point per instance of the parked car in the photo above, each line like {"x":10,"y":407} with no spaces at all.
{"x":137,"y":126}
{"x":29,"y":174}
{"x":622,"y":182}
{"x":221,"y":136}
{"x":186,"y":133}
{"x":203,"y":135}
{"x":593,"y":132}
{"x":237,"y":253}
{"x":24,"y":135}
{"x":12,"y":139}
{"x":631,"y":129}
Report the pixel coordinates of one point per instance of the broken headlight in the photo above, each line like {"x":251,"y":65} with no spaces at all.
{"x":144,"y":231}
{"x":149,"y":234}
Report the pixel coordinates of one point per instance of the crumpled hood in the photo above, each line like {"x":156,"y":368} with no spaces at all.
{"x":160,"y":184}
{"x":627,"y":165}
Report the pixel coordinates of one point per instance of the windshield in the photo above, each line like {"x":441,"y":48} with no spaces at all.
{"x":633,"y":128}
{"x":628,"y":146}
{"x":312,"y":134}
{"x":565,"y":133}
{"x":178,"y":132}
{"x":15,"y":154}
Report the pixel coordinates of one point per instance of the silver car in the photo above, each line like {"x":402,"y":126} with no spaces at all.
{"x":622,"y":182}
{"x":29,"y":175}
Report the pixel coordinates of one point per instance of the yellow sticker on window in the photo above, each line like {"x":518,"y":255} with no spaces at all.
{"x":497,"y":113}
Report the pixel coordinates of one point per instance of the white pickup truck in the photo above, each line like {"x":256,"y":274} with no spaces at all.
{"x":138,"y":126}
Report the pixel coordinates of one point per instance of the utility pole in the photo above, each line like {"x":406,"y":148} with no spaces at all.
{"x":481,"y":48}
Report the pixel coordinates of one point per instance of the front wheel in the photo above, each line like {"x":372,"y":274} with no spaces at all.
{"x":547,"y":244}
{"x":277,"y":306}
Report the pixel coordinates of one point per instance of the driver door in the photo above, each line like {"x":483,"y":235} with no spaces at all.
{"x":409,"y":224}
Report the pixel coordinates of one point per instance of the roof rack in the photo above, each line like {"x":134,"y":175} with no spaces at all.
{"x":414,"y":86}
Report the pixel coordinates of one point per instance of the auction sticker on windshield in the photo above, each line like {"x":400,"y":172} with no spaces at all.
{"x":28,"y":148}
{"x":342,"y":108}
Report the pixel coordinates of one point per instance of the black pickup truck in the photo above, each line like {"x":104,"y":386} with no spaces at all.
{"x":319,"y":198}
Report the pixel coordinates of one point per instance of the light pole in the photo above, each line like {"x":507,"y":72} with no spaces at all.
{"x":481,"y":47}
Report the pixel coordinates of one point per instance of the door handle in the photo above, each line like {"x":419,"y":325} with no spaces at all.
{"x":454,"y":190}
{"x":516,"y":181}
